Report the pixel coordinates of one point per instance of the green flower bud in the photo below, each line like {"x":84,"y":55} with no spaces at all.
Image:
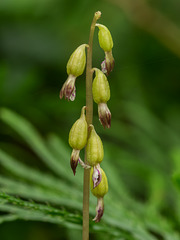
{"x":102,"y":188}
{"x":105,"y":38}
{"x":94,"y":148}
{"x":106,"y":43}
{"x":77,"y":61}
{"x":79,"y":132}
{"x":99,"y":187}
{"x":100,"y":88}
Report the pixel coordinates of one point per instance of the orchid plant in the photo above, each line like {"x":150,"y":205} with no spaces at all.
{"x":83,"y":134}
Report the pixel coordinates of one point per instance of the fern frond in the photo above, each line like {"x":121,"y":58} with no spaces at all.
{"x":33,"y":139}
{"x":37,"y":193}
{"x":124,"y":217}
{"x":35,"y":176}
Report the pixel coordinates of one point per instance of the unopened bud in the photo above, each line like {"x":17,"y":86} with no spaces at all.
{"x":105,"y":38}
{"x":104,"y":115}
{"x":100,"y":88}
{"x":106,"y":43}
{"x":77,"y":61}
{"x":94,"y":148}
{"x":79,"y":131}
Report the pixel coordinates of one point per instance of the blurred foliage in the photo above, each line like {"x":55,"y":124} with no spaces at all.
{"x":142,"y":148}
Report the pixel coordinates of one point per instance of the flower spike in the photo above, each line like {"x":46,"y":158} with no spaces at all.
{"x":82,"y":133}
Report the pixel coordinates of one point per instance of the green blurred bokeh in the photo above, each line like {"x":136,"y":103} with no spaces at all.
{"x":36,"y":40}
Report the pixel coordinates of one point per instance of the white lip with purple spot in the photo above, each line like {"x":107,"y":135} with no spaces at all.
{"x":103,"y":66}
{"x":97,"y":176}
{"x":73,"y":94}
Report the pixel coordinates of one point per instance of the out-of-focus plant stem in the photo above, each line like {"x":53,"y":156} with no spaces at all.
{"x":89,"y":118}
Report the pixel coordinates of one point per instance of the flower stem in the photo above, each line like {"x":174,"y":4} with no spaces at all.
{"x":89,"y":118}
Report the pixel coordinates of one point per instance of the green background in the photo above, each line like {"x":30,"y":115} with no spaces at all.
{"x":143,"y":144}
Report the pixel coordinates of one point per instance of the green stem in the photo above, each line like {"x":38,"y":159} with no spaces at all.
{"x":89,"y":118}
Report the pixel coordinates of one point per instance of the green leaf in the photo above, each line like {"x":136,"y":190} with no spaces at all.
{"x":34,"y":140}
{"x":8,"y":218}
{"x":124,"y":216}
{"x":38,"y":193}
{"x":37,"y":177}
{"x":60,"y":151}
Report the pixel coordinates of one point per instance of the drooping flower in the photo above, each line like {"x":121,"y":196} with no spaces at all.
{"x":106,"y":43}
{"x":98,"y":190}
{"x":78,"y":138}
{"x":75,"y":67}
{"x":101,"y":94}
